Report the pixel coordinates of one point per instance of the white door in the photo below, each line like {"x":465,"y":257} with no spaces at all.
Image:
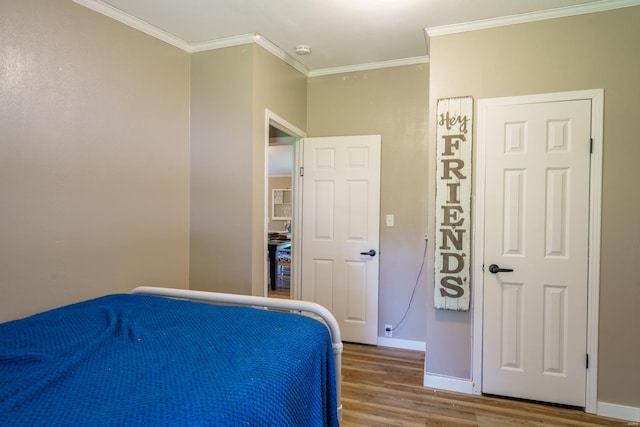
{"x":536,"y":224}
{"x":340,"y":231}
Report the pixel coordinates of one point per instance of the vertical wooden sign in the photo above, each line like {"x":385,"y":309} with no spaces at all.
{"x":454,"y":137}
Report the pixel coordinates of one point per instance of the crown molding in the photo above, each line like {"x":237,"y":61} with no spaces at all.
{"x":271,"y":47}
{"x":370,"y":66}
{"x":133,"y":22}
{"x":140,"y":25}
{"x":221,"y":43}
{"x":143,"y":26}
{"x":256,"y":38}
{"x":581,"y":9}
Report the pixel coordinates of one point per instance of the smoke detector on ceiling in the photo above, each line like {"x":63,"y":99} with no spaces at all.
{"x":302,"y":49}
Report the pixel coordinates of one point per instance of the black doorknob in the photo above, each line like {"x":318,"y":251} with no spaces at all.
{"x":494,"y":268}
{"x":370,"y":253}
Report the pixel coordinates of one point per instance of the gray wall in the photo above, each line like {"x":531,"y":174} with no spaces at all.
{"x":94,"y":122}
{"x":583,"y":52}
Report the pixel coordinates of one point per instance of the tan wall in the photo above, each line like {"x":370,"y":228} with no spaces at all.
{"x":93,"y":157}
{"x":283,"y":90}
{"x":221,"y":165}
{"x":230,"y":90}
{"x":94,"y":172}
{"x":583,"y":52}
{"x":392,"y":102}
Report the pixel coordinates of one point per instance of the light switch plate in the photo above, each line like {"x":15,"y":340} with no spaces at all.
{"x":390,"y":220}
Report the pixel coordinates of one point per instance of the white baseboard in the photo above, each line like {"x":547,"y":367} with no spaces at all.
{"x":403,"y":344}
{"x":611,"y":410}
{"x":448,"y":383}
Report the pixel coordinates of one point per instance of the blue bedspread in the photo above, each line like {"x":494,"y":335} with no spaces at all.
{"x":141,"y":360}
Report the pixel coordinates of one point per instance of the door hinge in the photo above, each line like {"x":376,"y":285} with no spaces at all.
{"x":591,"y":146}
{"x":587,"y":360}
{"x":301,"y":170}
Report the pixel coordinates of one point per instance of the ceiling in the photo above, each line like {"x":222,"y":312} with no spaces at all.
{"x":342,"y":34}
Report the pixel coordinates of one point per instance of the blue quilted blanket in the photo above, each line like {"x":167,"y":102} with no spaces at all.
{"x":141,"y":360}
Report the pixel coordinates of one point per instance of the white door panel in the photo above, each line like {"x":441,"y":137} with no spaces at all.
{"x":340,"y":220}
{"x":536,"y":223}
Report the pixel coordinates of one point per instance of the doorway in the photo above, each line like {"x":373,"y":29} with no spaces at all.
{"x":280,"y":206}
{"x":281,"y":226}
{"x":505,"y":351}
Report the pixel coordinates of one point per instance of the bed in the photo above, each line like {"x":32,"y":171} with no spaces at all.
{"x":160,"y":356}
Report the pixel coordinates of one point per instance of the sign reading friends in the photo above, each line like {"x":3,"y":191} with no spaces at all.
{"x":454,"y":137}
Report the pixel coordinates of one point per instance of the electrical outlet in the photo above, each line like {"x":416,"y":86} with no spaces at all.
{"x":426,"y":236}
{"x":388,"y":331}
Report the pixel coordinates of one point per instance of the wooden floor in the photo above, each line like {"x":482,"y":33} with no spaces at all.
{"x":282,"y":290}
{"x":383,"y":387}
{"x":279,"y":292}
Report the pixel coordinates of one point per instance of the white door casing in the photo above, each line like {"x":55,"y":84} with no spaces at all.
{"x":533,"y":327}
{"x":340,"y":225}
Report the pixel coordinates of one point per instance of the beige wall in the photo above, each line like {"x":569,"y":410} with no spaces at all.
{"x":94,"y":152}
{"x":283,"y":90}
{"x":230,"y":90}
{"x":221,"y":165}
{"x":93,"y":157}
{"x":583,"y":52}
{"x":392,"y":102}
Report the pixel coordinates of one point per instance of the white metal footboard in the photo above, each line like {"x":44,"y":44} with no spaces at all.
{"x":250,"y":300}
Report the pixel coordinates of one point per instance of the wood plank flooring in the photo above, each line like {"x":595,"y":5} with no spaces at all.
{"x":383,"y":387}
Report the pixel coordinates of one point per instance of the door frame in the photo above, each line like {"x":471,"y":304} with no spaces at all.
{"x":272,"y":119}
{"x":596,"y":97}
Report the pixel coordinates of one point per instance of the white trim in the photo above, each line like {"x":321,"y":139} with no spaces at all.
{"x":296,"y":181}
{"x":628,"y":413}
{"x":448,"y":383}
{"x":595,"y":225}
{"x":143,"y":26}
{"x":595,"y":195}
{"x":369,"y":66}
{"x":271,"y":47}
{"x":130,"y":20}
{"x":477,"y":251}
{"x":133,"y":22}
{"x":221,"y":43}
{"x":561,"y":12}
{"x":281,"y":124}
{"x":257,"y":38}
{"x":402,"y":344}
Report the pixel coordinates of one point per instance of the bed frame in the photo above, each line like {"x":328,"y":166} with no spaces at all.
{"x":293,"y":305}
